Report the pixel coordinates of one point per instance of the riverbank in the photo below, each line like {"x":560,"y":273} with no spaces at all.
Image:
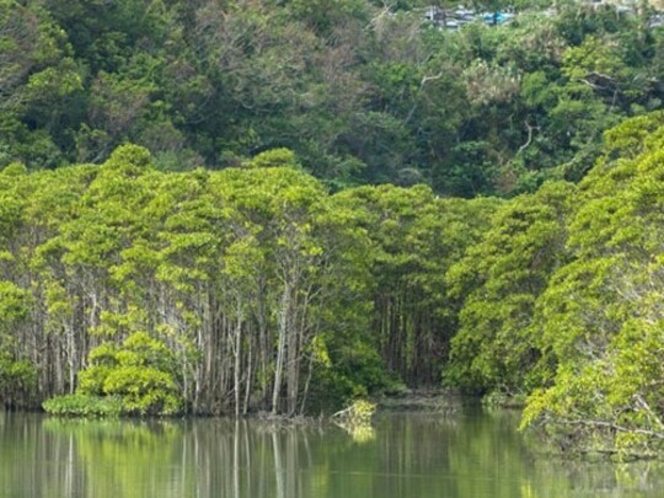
{"x":435,"y":400}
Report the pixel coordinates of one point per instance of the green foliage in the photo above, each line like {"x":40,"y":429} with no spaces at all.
{"x":356,"y":420}
{"x":14,"y":304}
{"x":414,"y":239}
{"x":135,"y":378}
{"x":351,"y":369}
{"x":143,"y":390}
{"x":360,"y":92}
{"x":84,"y":405}
{"x":18,"y":379}
{"x":18,"y":376}
{"x":499,"y":280}
{"x":600,"y":316}
{"x":220,"y":267}
{"x":274,"y":158}
{"x":359,"y":412}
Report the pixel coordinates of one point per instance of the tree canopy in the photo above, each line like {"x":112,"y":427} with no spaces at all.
{"x":362,"y":92}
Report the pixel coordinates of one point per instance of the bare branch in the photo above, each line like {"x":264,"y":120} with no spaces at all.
{"x":530,"y":137}
{"x":611,"y":425}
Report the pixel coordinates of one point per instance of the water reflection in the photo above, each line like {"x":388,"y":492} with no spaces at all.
{"x":468,"y":455}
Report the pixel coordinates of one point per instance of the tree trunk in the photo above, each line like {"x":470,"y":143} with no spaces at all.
{"x":284,"y":319}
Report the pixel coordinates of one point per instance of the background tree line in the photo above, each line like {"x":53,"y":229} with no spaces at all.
{"x":363,"y":92}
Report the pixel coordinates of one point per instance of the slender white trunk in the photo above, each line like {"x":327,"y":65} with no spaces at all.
{"x":281,"y":347}
{"x":248,"y":369}
{"x":238,"y":345}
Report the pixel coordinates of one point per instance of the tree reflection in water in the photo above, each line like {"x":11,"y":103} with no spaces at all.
{"x":466,"y":455}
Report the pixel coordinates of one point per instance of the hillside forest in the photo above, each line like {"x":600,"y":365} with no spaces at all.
{"x":231,"y":207}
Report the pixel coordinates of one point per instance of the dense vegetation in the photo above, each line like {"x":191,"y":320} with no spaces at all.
{"x":281,"y":277}
{"x":363,"y":92}
{"x":248,"y":288}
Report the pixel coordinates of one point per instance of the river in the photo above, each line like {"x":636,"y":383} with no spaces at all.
{"x":471,"y":453}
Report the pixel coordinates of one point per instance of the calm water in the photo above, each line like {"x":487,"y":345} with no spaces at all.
{"x":469,"y":454}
